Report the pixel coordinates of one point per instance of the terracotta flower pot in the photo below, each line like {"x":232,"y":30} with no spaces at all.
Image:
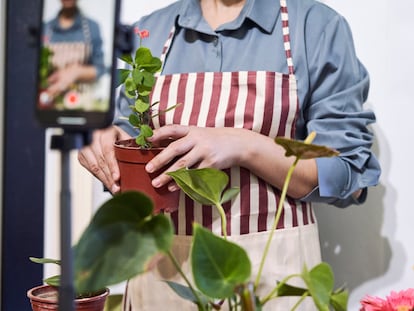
{"x":132,"y":160}
{"x":45,"y":298}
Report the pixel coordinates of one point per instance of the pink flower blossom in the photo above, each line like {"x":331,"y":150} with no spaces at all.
{"x":141,"y":33}
{"x":396,"y":301}
{"x":371,"y":303}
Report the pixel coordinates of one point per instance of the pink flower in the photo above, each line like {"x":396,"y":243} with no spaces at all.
{"x":141,"y":33}
{"x":396,"y":301}
{"x":371,"y":303}
{"x":401,"y":301}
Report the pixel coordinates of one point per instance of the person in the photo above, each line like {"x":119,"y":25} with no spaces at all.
{"x":77,"y":57}
{"x":245,"y":72}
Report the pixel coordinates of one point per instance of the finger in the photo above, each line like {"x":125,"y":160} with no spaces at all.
{"x":87,"y":159}
{"x":169,"y":154}
{"x":186,"y":161}
{"x":169,"y":132}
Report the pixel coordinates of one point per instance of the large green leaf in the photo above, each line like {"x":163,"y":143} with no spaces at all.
{"x":143,"y":56}
{"x":320,"y":283}
{"x":218,"y":265}
{"x":203,"y":185}
{"x":120,"y":242}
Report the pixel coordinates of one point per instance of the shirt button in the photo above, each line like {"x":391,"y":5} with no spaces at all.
{"x":215,"y":41}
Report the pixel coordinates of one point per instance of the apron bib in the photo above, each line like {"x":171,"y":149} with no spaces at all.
{"x":261,"y":101}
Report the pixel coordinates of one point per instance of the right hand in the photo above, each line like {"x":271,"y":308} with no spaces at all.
{"x":99,"y":156}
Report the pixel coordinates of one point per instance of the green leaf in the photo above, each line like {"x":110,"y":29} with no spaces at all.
{"x":339,"y":300}
{"x":289,"y":290}
{"x":53,"y":280}
{"x":122,"y":75}
{"x":229,"y":194}
{"x":146,"y":131}
{"x":320,"y":282}
{"x":141,"y":106}
{"x":120,"y":242}
{"x":143,"y":56}
{"x":218,"y":265}
{"x":303,"y":150}
{"x":127,"y":58}
{"x":148,"y":79}
{"x":203,"y":185}
{"x":44,"y":260}
{"x":186,"y":293}
{"x":130,"y":88}
{"x":137,"y":76}
{"x":141,"y":141}
{"x":153,"y":66}
{"x":134,"y":120}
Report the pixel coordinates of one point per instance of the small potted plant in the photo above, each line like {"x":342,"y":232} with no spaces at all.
{"x":45,"y":297}
{"x":132,"y":154}
{"x":128,"y":219}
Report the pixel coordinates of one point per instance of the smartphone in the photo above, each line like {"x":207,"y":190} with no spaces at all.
{"x":77,"y":56}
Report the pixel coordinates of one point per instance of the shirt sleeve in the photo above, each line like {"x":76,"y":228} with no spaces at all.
{"x":97,"y":57}
{"x":338,"y":88}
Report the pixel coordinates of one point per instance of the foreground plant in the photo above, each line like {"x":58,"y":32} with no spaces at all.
{"x":125,"y":237}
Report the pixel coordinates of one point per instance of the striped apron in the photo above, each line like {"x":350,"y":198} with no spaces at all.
{"x":265,"y":102}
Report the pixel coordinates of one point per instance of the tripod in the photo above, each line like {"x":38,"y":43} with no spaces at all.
{"x":65,"y":143}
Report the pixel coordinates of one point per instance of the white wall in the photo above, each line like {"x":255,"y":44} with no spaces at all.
{"x":369,"y":245}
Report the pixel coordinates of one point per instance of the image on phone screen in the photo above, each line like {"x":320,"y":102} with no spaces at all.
{"x":75,"y":78}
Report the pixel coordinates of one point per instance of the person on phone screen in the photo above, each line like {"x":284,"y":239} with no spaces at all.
{"x":74,"y":59}
{"x":245,"y":72}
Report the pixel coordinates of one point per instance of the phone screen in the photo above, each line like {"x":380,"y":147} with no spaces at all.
{"x":76,"y":60}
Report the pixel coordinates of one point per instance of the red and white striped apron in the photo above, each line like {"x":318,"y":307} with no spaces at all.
{"x":261,"y":101}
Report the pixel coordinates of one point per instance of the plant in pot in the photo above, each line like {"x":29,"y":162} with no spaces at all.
{"x":125,"y":236}
{"x":132,"y":154}
{"x":45,"y":297}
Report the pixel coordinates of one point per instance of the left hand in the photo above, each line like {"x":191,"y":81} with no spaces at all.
{"x":196,"y":147}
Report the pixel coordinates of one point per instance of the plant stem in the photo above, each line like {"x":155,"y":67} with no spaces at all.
{"x":274,"y":292}
{"x":299,"y":301}
{"x":276,"y":221}
{"x":187,"y":281}
{"x":223,"y":220}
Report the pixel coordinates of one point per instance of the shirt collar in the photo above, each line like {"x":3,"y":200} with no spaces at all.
{"x":76,"y":24}
{"x":264,"y":13}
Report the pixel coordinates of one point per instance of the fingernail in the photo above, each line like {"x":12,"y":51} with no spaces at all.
{"x":149,"y":168}
{"x":173,"y":188}
{"x":156,"y":183}
{"x":115,"y":189}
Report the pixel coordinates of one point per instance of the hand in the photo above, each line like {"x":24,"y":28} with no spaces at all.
{"x":196,"y":147}
{"x":62,"y":79}
{"x":99,"y":156}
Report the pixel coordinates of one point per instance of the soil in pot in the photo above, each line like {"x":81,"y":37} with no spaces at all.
{"x":45,"y":298}
{"x":132,"y":160}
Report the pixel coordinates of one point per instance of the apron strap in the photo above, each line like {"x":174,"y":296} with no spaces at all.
{"x":286,"y":35}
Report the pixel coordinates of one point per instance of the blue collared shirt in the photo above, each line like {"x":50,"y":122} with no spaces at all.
{"x":332,"y":83}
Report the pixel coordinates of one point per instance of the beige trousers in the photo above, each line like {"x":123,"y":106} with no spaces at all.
{"x":290,"y":249}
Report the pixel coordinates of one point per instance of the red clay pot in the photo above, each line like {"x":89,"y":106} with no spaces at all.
{"x":132,"y":160}
{"x":45,"y":298}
